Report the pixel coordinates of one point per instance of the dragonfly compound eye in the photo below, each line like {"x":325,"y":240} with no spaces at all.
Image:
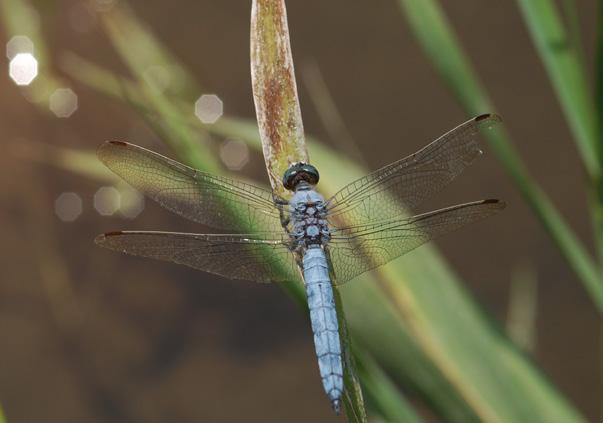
{"x":300,"y":172}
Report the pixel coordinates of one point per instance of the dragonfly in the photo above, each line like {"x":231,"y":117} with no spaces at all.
{"x":321,"y":243}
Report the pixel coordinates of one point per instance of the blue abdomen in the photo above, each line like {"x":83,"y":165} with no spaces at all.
{"x":324,"y":322}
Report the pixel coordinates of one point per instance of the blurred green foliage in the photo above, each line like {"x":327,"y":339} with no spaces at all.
{"x":441,"y":46}
{"x":412,"y":323}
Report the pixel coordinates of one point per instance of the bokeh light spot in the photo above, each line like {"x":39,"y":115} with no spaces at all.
{"x":68,"y":206}
{"x":209,"y":108}
{"x":63,"y":102}
{"x":107,"y":201}
{"x":132,"y":202}
{"x":19,"y":44}
{"x":23,"y":68}
{"x":234,"y":154}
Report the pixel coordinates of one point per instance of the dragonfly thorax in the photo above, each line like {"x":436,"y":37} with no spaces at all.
{"x":308,"y":215}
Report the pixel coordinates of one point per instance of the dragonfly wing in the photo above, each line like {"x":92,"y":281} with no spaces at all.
{"x":261,"y":258}
{"x":356,"y":249}
{"x":406,"y":182}
{"x":211,"y":200}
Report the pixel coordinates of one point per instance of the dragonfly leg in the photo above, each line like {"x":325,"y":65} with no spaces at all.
{"x":279,"y":201}
{"x":285,"y":220}
{"x":280,"y":204}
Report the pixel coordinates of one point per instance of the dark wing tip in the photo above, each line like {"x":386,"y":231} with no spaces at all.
{"x":501,"y":204}
{"x":482,"y":117}
{"x":113,"y":233}
{"x":103,"y":237}
{"x":488,"y":116}
{"x":106,"y":149}
{"x":111,"y":144}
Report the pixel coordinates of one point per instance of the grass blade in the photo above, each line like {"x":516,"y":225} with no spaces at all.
{"x":523,"y":308}
{"x":564,"y":66}
{"x":275,"y":90}
{"x":378,"y":388}
{"x":599,"y":100}
{"x":598,"y":206}
{"x":562,"y":55}
{"x":327,"y":110}
{"x":148,"y":57}
{"x":573,"y":23}
{"x":432,"y":30}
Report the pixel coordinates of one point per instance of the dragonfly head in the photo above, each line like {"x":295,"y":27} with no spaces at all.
{"x":299,"y":172}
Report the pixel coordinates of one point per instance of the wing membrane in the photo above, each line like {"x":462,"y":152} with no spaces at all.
{"x":357,"y":249}
{"x":255,"y":257}
{"x":211,"y":200}
{"x":404,"y":184}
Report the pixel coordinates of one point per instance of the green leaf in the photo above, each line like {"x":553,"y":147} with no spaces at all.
{"x":353,"y":400}
{"x":599,"y":99}
{"x":432,"y":30}
{"x":144,"y":55}
{"x":81,"y":163}
{"x":597,"y":207}
{"x":523,"y":307}
{"x":563,"y":64}
{"x":379,"y":388}
{"x":561,"y":53}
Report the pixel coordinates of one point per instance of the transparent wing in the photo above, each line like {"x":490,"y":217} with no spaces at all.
{"x":357,"y":249}
{"x":211,"y":200}
{"x":255,"y":257}
{"x":406,"y":182}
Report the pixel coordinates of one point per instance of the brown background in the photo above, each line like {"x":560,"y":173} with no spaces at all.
{"x":148,"y":341}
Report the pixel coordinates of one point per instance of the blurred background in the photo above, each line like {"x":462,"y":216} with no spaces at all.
{"x":91,"y":335}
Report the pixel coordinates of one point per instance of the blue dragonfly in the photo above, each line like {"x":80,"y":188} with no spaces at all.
{"x":307,"y":238}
